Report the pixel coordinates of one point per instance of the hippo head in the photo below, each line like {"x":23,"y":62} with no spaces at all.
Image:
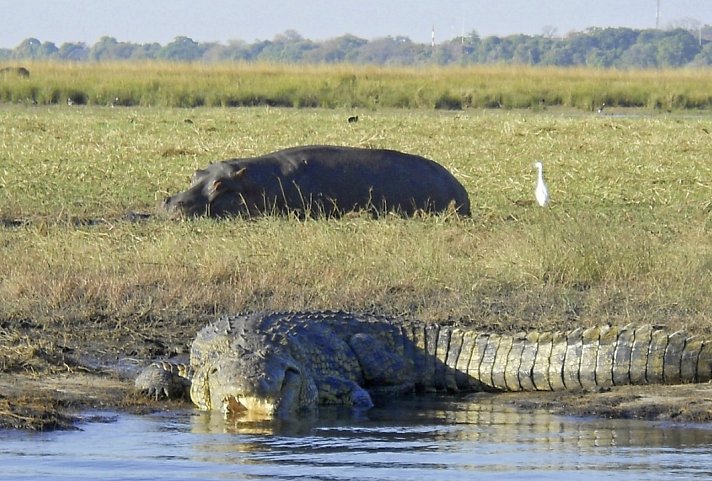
{"x":217,"y":192}
{"x":257,"y":380}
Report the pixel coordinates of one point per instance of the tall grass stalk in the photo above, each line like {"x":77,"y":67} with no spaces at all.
{"x":348,"y":86}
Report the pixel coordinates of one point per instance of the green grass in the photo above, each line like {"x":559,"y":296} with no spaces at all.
{"x":347,"y":86}
{"x":627,"y":236}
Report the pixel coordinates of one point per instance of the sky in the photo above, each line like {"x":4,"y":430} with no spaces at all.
{"x":143,"y":21}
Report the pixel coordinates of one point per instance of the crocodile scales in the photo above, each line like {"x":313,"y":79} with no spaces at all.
{"x":279,"y":363}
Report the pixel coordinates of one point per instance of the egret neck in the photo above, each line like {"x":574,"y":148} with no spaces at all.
{"x":541,"y":193}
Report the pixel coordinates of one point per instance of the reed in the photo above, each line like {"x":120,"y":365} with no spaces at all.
{"x":348,"y":86}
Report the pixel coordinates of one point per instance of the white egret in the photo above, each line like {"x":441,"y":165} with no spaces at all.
{"x":541,"y":193}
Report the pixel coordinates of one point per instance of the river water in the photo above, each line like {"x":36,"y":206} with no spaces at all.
{"x":412,"y":439}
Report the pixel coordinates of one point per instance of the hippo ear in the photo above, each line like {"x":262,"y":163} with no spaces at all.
{"x":214,"y":189}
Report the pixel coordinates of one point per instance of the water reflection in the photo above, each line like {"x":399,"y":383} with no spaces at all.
{"x":418,"y":438}
{"x":418,"y":435}
{"x":485,"y":418}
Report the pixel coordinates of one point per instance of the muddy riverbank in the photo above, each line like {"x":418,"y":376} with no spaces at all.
{"x":51,"y":377}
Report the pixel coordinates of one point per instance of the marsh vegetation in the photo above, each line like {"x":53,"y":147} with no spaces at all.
{"x":162,"y":84}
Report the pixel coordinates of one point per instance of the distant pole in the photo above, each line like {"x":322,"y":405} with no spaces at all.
{"x":657,"y":16}
{"x":462,"y":31}
{"x":432,"y":41}
{"x":462,"y":38}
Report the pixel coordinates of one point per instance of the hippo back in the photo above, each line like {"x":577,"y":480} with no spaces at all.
{"x":322,"y":180}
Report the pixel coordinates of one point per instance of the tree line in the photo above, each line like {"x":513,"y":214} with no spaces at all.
{"x":593,"y":47}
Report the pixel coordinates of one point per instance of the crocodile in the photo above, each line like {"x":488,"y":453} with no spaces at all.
{"x":277,"y":364}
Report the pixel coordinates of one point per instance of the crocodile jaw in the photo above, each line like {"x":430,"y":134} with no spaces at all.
{"x":283,"y":403}
{"x":236,"y":405}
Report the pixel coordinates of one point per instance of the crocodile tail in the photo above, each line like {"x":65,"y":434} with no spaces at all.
{"x":454,"y":359}
{"x":598,"y":357}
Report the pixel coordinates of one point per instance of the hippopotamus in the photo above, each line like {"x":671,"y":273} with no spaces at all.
{"x":321,"y":180}
{"x":19,"y":71}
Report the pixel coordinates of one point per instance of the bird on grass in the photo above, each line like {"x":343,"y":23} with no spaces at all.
{"x":540,"y":192}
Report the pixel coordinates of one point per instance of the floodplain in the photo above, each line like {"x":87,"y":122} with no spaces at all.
{"x":625,"y":238}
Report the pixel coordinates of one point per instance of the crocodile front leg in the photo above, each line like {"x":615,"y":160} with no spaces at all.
{"x":165,"y":379}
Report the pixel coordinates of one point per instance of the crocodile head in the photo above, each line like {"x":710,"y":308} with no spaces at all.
{"x":265,"y":381}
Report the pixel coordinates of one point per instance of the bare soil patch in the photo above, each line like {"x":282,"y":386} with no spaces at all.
{"x":52,"y":372}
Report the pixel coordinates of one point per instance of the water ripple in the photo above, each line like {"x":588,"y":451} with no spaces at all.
{"x":415,"y":439}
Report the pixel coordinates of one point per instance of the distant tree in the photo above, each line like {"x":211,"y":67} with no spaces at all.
{"x":526,"y":53}
{"x":577,"y":47}
{"x":495,"y":49}
{"x":288,"y":36}
{"x":102,"y":50}
{"x":30,"y":48}
{"x":601,"y":58}
{"x":255,"y":51}
{"x":340,"y":49}
{"x":391,"y":51}
{"x":513,"y":48}
{"x":73,"y":51}
{"x":349,"y":45}
{"x":290,"y":46}
{"x":608,"y":45}
{"x":618,"y":39}
{"x":48,"y":50}
{"x":690,"y":24}
{"x":598,"y":47}
{"x":677,"y":48}
{"x":650,"y":36}
{"x":640,"y":55}
{"x":447,"y":53}
{"x":236,"y":50}
{"x":706,"y":32}
{"x":146,"y":51}
{"x":471,"y":46}
{"x":704,"y":57}
{"x":558,"y":54}
{"x":108,"y":48}
{"x":182,"y":49}
{"x":213,"y":52}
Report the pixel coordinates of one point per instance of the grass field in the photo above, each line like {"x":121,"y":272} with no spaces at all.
{"x":158,"y":84}
{"x":626,"y":238}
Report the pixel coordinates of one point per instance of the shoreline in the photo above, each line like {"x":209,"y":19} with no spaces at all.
{"x":62,"y":401}
{"x":54,"y":394}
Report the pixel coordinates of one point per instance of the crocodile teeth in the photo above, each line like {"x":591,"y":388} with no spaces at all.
{"x":241,"y":404}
